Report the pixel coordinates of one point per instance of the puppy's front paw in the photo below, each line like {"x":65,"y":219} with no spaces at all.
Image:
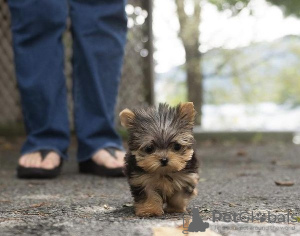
{"x":146,"y":210}
{"x":148,"y":214}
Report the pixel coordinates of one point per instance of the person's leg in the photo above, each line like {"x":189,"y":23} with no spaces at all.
{"x":99,"y":31}
{"x":37,"y":27}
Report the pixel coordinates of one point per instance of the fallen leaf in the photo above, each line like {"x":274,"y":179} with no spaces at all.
{"x":281,"y":163}
{"x":293,"y":166}
{"x":166,"y":231}
{"x":37,"y":205}
{"x":2,"y":219}
{"x":274,"y":162}
{"x":241,"y":152}
{"x":7,"y":146}
{"x":171,"y":231}
{"x":5,"y":201}
{"x":287,"y":183}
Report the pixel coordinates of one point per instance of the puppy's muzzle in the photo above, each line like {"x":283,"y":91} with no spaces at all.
{"x":164,"y":161}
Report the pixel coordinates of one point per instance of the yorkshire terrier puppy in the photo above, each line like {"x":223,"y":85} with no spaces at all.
{"x":161,"y":165}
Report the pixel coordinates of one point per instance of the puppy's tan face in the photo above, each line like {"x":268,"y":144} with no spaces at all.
{"x":152,"y":158}
{"x":162,"y":139}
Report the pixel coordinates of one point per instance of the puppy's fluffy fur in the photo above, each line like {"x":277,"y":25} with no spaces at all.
{"x":161,"y":165}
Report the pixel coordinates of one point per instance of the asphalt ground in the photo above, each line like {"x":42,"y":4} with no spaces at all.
{"x":235,"y":177}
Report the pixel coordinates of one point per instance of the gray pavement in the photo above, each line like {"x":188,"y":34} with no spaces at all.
{"x":234,"y":177}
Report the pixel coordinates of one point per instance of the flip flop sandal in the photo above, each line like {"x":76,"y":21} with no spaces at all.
{"x":39,"y":173}
{"x":91,"y":167}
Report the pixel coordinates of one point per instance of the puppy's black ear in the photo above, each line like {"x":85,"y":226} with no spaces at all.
{"x":126,"y":117}
{"x":187,"y":112}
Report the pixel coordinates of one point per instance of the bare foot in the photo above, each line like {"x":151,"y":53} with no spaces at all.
{"x":102,"y":157}
{"x":34,"y":160}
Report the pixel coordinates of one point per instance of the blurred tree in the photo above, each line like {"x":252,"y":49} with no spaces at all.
{"x":261,"y":72}
{"x":189,"y":34}
{"x":289,"y":7}
{"x":189,"y":12}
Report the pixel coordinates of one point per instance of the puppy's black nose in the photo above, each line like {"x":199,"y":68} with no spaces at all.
{"x":164,"y":161}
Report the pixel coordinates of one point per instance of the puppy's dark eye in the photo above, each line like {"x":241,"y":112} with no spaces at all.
{"x":177,"y":146}
{"x":149,"y":149}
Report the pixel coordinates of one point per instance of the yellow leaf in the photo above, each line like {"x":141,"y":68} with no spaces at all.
{"x":172,"y":231}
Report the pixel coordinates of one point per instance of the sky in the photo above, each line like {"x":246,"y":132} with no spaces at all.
{"x":218,"y":29}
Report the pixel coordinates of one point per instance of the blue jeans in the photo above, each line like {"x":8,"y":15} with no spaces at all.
{"x":99,"y":35}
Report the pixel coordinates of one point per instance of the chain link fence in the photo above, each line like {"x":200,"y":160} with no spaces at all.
{"x":132,"y":90}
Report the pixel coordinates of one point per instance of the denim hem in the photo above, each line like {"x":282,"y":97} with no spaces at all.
{"x":63,"y":156}
{"x":108,"y":145}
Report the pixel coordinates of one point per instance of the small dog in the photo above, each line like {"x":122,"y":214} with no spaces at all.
{"x":161,"y":165}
